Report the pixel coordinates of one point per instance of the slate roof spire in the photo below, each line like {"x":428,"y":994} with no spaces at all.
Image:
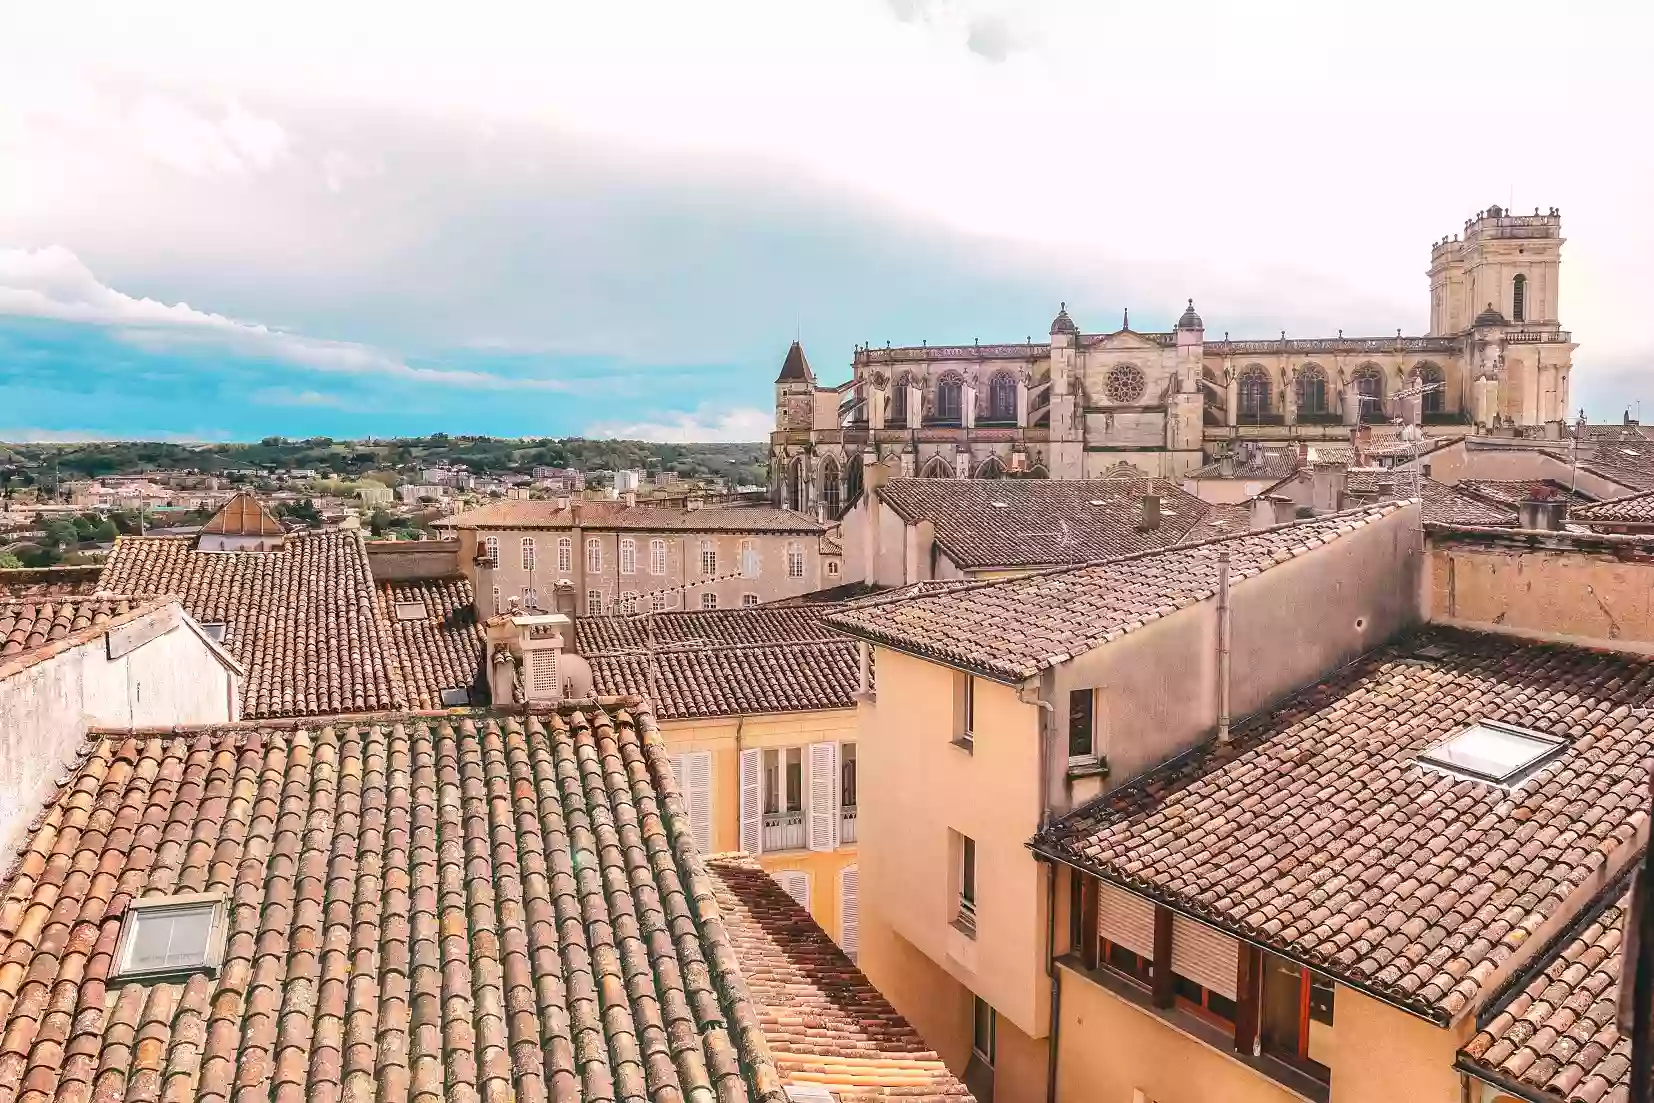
{"x":795,"y":366}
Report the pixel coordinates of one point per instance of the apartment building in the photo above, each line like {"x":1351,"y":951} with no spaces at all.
{"x":1179,"y":841}
{"x":622,"y":558}
{"x":757,"y":708}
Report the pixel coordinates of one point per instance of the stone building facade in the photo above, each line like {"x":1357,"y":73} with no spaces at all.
{"x":1090,"y":406}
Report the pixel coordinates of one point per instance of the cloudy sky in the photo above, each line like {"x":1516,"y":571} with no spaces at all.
{"x":550,"y":218}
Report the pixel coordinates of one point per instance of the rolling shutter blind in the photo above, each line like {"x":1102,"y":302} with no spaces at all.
{"x":823,"y":825}
{"x":1126,"y":920}
{"x":752,"y":802}
{"x":797,"y":885}
{"x":693,"y":772}
{"x":1209,"y":958}
{"x":849,"y":910}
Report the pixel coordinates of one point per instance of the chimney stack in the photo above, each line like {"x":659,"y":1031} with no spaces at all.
{"x":1543,"y":510}
{"x":1226,"y":466}
{"x":1151,"y":512}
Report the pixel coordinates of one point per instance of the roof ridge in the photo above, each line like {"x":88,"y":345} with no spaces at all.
{"x":631,"y":704}
{"x":681,"y":648}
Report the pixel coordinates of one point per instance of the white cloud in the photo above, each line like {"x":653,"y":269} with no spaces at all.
{"x":281,"y":396}
{"x":705,"y":426}
{"x":53,"y":283}
{"x":34,"y":435}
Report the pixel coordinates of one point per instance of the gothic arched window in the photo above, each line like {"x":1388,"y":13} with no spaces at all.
{"x":1433,"y":401}
{"x":949,"y":393}
{"x":1369,"y":384}
{"x":831,"y":492}
{"x":1519,"y":299}
{"x":797,"y":485}
{"x":852,"y":481}
{"x":898,"y":400}
{"x":1002,"y":397}
{"x":991,"y":469}
{"x":1254,"y":394}
{"x":936,"y":468}
{"x":1312,"y":390}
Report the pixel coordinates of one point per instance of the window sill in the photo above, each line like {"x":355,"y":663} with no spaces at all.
{"x":964,"y":926}
{"x":1200,"y":1029}
{"x":1090,"y":766}
{"x":964,"y":743}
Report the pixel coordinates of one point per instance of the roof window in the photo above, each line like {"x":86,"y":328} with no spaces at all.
{"x":215,"y":630}
{"x":1499,"y":753}
{"x":456,"y":697}
{"x":168,"y":935}
{"x":410,"y":610}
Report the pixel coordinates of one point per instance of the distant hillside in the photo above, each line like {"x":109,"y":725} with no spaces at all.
{"x":737,"y":463}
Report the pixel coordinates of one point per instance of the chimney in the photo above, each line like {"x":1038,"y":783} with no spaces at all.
{"x":1542,"y":511}
{"x":1151,"y":513}
{"x":1424,"y":469}
{"x":1263,"y":513}
{"x":525,"y":657}
{"x":562,"y":502}
{"x":693,"y":501}
{"x":1327,"y":484}
{"x":630,"y":498}
{"x":1226,"y":466}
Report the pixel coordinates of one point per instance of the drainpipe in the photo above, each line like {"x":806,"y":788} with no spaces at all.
{"x":1043,"y":803}
{"x":1055,"y":974}
{"x":1223,"y":646}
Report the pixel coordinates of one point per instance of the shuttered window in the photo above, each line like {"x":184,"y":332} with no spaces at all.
{"x":823,"y":821}
{"x":1208,"y":957}
{"x":752,"y":801}
{"x":693,"y":772}
{"x":849,"y":911}
{"x":796,"y":883}
{"x":1126,"y":920}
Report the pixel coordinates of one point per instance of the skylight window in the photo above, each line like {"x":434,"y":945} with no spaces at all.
{"x":167,"y":935}
{"x":1493,"y":752}
{"x":215,"y":631}
{"x":456,"y":697}
{"x":410,"y":610}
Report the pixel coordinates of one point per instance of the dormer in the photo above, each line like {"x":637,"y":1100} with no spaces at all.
{"x":241,"y":524}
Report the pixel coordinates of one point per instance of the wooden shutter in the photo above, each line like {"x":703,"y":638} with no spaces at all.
{"x":1127,"y":920}
{"x":822,"y":830}
{"x":752,"y":802}
{"x":1209,"y":958}
{"x":693,"y":773}
{"x":796,"y":883}
{"x":849,"y":910}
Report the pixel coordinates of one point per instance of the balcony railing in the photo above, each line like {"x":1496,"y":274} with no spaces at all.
{"x":783,"y":831}
{"x":847,"y":824}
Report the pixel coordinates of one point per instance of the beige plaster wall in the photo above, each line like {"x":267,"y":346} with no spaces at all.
{"x":1457,"y":462}
{"x":918,"y":792}
{"x":1569,"y":596}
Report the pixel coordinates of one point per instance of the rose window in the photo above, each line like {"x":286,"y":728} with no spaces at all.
{"x":1123,"y":385}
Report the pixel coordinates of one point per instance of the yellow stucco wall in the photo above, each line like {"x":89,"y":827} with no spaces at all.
{"x":918,"y":794}
{"x":1107,"y":1048}
{"x":725,"y":737}
{"x":1385,"y":1055}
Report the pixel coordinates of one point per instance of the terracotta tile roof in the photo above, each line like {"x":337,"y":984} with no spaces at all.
{"x":59,"y":581}
{"x":428,"y":907}
{"x":1556,"y":1034}
{"x":442,"y":648}
{"x":1626,"y":461}
{"x":1222,"y":519}
{"x":243,"y":515}
{"x":1316,"y":832}
{"x":1011,"y":630}
{"x":303,"y":620}
{"x":1513,"y":493}
{"x":825,"y":1023}
{"x":1265,"y":463}
{"x":983,"y":523}
{"x":612,"y":516}
{"x":1632,"y":509}
{"x":28,"y":625}
{"x":731,"y":681}
{"x":832,"y":541}
{"x":1370,"y":481}
{"x":1448,"y":505}
{"x":744,"y":627}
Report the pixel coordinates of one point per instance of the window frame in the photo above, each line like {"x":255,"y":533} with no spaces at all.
{"x":795,"y":559}
{"x":747,"y":558}
{"x":1089,"y":753}
{"x":491,"y":547}
{"x":594,"y":608}
{"x":628,"y":603}
{"x":212,"y":957}
{"x":749,"y":601}
{"x":709,"y":601}
{"x":1510,"y":779}
{"x":594,"y":555}
{"x":964,"y":711}
{"x":628,"y":555}
{"x":528,"y":554}
{"x":657,"y":601}
{"x":565,"y":555}
{"x":709,"y":559}
{"x":657,"y":557}
{"x":978,"y":1006}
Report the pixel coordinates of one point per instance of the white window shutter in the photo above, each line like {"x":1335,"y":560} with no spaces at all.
{"x":796,"y":884}
{"x":752,"y":802}
{"x":697,"y":790}
{"x":823,"y":825}
{"x":849,"y":911}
